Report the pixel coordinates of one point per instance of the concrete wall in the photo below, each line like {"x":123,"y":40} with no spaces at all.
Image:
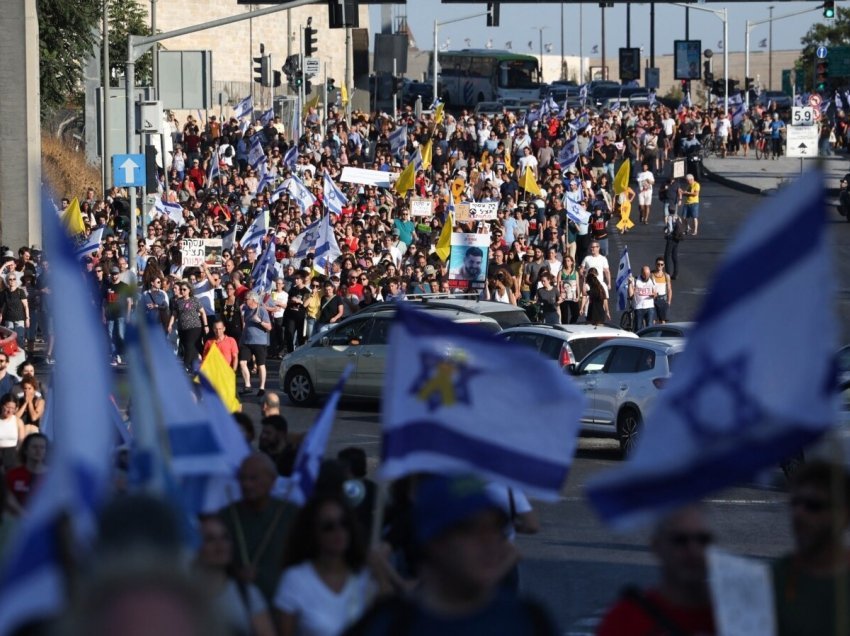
{"x":20,"y":126}
{"x":234,"y":45}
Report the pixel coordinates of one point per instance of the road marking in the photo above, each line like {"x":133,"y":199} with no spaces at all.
{"x":731,"y":502}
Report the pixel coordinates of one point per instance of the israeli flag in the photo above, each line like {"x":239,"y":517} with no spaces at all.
{"x":569,"y":153}
{"x":91,"y":245}
{"x":229,"y":239}
{"x":244,"y":108}
{"x":256,"y":154}
{"x":172,"y":211}
{"x":398,"y":140}
{"x":267,"y":117}
{"x":266,"y":177}
{"x":582,"y":94}
{"x":264,"y":273}
{"x":253,"y":236}
{"x":615,"y":106}
{"x":738,"y":115}
{"x":214,"y":171}
{"x":335,"y":200}
{"x":624,"y":273}
{"x":300,"y":193}
{"x":448,"y":406}
{"x":311,"y":452}
{"x":736,"y":100}
{"x":798,"y":100}
{"x":290,"y":159}
{"x":282,"y":189}
{"x":734,"y":405}
{"x":327,"y":248}
{"x":581,"y":122}
{"x":33,"y":567}
{"x":576,"y":213}
{"x":306,"y":241}
{"x":553,"y":107}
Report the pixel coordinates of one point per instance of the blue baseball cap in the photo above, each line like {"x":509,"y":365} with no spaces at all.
{"x":444,"y":501}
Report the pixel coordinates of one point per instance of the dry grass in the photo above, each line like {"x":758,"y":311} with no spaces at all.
{"x":65,"y":170}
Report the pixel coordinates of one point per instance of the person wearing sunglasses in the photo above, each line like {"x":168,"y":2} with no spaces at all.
{"x":807,"y":582}
{"x":680,"y":603}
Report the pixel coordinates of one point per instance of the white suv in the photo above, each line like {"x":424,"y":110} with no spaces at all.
{"x":564,"y":344}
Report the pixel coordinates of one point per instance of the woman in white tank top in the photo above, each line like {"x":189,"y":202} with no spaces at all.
{"x":11,"y":432}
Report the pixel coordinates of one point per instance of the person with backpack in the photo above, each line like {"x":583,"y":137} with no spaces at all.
{"x":674,"y":232}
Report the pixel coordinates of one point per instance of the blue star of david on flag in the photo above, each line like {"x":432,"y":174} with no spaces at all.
{"x":442,"y":381}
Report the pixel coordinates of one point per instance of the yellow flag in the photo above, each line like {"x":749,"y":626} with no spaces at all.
{"x":457,"y":189}
{"x":528,"y":183}
{"x":438,"y":113}
{"x":426,"y":155}
{"x":405,"y":180}
{"x":621,"y":180}
{"x":343,"y":93}
{"x":508,"y":165}
{"x":483,"y":163}
{"x":72,"y":219}
{"x":313,"y":102}
{"x":444,"y":243}
{"x":222,"y":378}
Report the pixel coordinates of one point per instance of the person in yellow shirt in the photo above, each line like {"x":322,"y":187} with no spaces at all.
{"x":689,"y":196}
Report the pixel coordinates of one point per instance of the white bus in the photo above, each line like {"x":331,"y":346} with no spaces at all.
{"x":485,"y":75}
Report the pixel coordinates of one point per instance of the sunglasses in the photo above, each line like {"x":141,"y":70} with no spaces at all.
{"x":681,"y":539}
{"x":810,"y":504}
{"x":332,"y":524}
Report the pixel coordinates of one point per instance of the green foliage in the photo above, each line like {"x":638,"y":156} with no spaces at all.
{"x":830,"y":33}
{"x":127,"y":17}
{"x":65,"y":31}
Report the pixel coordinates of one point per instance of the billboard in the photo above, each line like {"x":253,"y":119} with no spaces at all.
{"x":687,"y":55}
{"x":629,"y":64}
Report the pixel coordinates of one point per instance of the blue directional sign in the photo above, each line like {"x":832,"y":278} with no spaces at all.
{"x":821,"y":52}
{"x":128,"y":171}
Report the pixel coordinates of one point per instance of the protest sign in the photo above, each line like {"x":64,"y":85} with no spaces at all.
{"x":742,"y":595}
{"x":477,"y":211}
{"x":193,"y":252}
{"x":421,"y":207}
{"x":468,"y":260}
{"x":212,"y":252}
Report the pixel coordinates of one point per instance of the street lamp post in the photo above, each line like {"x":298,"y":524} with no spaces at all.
{"x":540,"y":31}
{"x":723,"y":15}
{"x":437,"y":25}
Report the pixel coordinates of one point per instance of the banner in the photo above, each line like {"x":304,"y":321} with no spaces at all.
{"x":421,"y":207}
{"x":362,"y":176}
{"x":197,"y":251}
{"x":477,"y":211}
{"x":468,"y":260}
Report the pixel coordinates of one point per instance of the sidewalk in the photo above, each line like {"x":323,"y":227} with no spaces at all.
{"x":762,"y":176}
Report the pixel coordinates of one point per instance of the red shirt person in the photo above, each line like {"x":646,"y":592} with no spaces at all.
{"x":227,"y":345}
{"x":22,"y":481}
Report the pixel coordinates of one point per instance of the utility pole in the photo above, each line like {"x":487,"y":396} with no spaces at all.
{"x":652,"y":34}
{"x":105,"y":156}
{"x":563,"y":74}
{"x":628,"y":26}
{"x":602,"y":10}
{"x":770,"y":49}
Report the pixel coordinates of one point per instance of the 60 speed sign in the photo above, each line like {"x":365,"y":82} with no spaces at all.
{"x":803,"y":116}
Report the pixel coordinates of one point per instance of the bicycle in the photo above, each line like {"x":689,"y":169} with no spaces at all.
{"x":762,"y":146}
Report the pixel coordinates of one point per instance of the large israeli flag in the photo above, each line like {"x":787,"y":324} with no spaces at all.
{"x":398,"y":140}
{"x":581,"y":122}
{"x":244,"y":108}
{"x":91,"y":245}
{"x":449,"y":406}
{"x":256,"y":154}
{"x":311,"y":452}
{"x":267,"y":117}
{"x":264,"y":273}
{"x":306,"y":241}
{"x":327,"y":248}
{"x":253,"y":236}
{"x":266,"y":177}
{"x":569,"y":153}
{"x":290,"y":159}
{"x":300,"y":193}
{"x":172,"y":211}
{"x":335,"y":200}
{"x":62,"y":516}
{"x":624,"y":273}
{"x":743,"y":395}
{"x":575,"y":212}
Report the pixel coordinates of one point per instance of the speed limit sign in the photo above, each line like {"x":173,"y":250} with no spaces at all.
{"x":803,"y":116}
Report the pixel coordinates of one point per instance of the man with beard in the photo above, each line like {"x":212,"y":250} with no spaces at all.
{"x":274,"y":442}
{"x":472,"y":268}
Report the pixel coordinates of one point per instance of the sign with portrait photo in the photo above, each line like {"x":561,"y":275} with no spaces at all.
{"x":687,"y":56}
{"x":468,"y":260}
{"x":212,"y":252}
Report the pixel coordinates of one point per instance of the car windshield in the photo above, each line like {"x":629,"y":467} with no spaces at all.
{"x":518,"y":74}
{"x":509,"y":318}
{"x":582,"y":346}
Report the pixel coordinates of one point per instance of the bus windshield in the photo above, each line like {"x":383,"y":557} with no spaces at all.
{"x":518,"y":74}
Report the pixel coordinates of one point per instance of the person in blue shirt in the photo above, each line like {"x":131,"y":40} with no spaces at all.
{"x":776,"y":127}
{"x":254,"y":342}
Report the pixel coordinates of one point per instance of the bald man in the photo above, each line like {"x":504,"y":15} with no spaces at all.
{"x":259,"y":524}
{"x":271,"y":404}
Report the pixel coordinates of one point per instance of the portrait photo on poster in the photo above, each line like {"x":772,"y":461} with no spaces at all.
{"x":468,"y":259}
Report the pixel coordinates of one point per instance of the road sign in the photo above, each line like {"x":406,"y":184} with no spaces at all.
{"x":801,"y":141}
{"x":311,"y":66}
{"x":128,"y":171}
{"x":821,"y":52}
{"x":815,"y":100}
{"x":803,"y":116}
{"x":816,"y":112}
{"x":839,"y":61}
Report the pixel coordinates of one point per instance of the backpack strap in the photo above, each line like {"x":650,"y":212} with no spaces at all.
{"x":652,"y":610}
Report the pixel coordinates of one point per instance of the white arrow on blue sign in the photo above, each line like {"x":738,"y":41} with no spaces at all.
{"x":821,"y":52}
{"x":128,"y":171}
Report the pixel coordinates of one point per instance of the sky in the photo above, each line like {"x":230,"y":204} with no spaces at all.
{"x":519,"y":23}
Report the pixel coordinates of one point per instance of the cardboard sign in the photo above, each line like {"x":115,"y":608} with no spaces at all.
{"x":197,"y":251}
{"x":421,"y":207}
{"x":212,"y":252}
{"x":468,"y":260}
{"x":476,"y":211}
{"x":742,"y":593}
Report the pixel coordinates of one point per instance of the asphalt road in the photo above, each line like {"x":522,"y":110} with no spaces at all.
{"x":576,"y":566}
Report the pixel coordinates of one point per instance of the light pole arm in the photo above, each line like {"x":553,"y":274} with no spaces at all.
{"x":435,"y":59}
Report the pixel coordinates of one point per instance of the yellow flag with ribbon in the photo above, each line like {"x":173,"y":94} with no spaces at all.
{"x":444,"y":243}
{"x":406,"y":179}
{"x":313,"y":102}
{"x":72,"y":218}
{"x":621,"y":180}
{"x":508,"y":165}
{"x":438,"y":113}
{"x":457,"y":189}
{"x":221,"y":377}
{"x":343,"y":94}
{"x":528,"y":183}
{"x":426,"y":155}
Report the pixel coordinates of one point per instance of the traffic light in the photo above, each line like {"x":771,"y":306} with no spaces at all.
{"x":308,"y":87}
{"x":492,"y":14}
{"x":310,"y":41}
{"x":707,"y":75}
{"x":336,"y":9}
{"x":397,"y":84}
{"x":829,"y":9}
{"x":276,"y":79}
{"x":331,"y":81}
{"x":262,"y":73}
{"x":821,"y":74}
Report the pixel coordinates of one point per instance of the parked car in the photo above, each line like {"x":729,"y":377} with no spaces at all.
{"x":621,"y":379}
{"x":667,"y":330}
{"x":314,"y":368}
{"x":504,"y":314}
{"x":563,"y":344}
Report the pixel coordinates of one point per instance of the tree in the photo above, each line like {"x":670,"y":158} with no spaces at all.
{"x":830,"y":33}
{"x":66,"y":36}
{"x":127,"y":17}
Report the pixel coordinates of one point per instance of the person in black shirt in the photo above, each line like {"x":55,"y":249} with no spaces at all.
{"x":274,"y":442}
{"x":332,"y":310}
{"x":117,"y":303}
{"x":14,"y":309}
{"x":295,"y":314}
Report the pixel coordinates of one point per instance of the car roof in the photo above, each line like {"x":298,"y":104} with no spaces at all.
{"x":663,"y":345}
{"x":579,"y":331}
{"x":683,"y":325}
{"x":447,"y":313}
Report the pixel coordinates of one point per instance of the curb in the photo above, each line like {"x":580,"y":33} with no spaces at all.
{"x":750,"y":189}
